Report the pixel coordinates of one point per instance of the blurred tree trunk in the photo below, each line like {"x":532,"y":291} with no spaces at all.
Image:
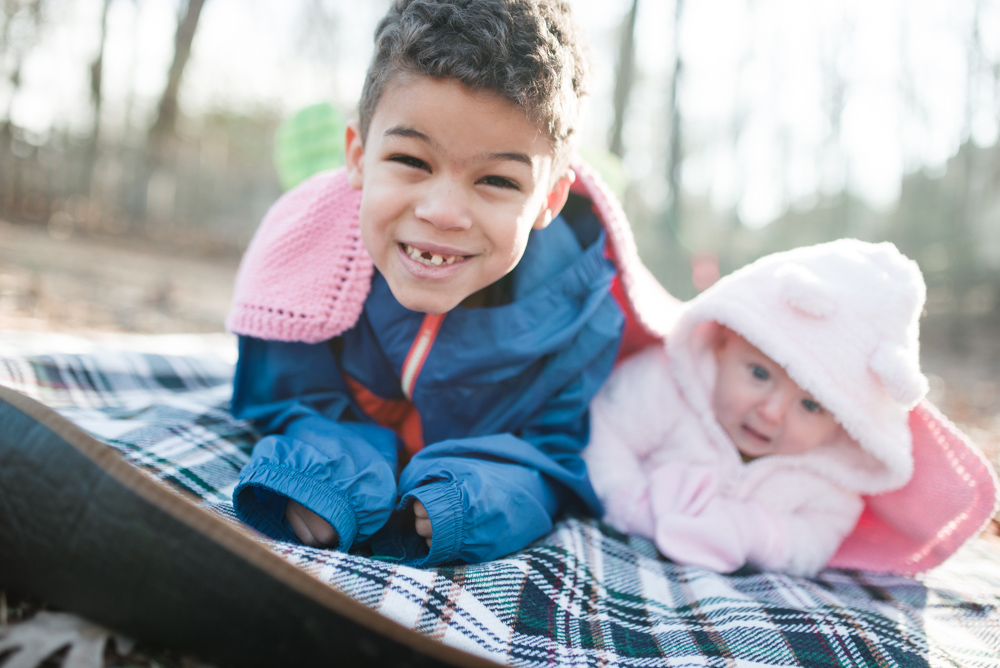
{"x":22,"y":20}
{"x":22,"y":26}
{"x":624,"y":78}
{"x":319,"y":36}
{"x":831,"y":156}
{"x":961,"y":240}
{"x":96,"y":98}
{"x":166,"y":120}
{"x":163,"y":131}
{"x":675,"y":150}
{"x":97,"y":75}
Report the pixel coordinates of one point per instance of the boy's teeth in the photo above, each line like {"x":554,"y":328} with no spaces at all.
{"x":430,"y":258}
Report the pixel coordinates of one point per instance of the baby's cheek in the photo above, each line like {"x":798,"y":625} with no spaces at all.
{"x":836,"y":430}
{"x":827,"y":430}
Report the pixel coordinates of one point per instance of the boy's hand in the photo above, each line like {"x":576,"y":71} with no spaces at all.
{"x":423,"y":523}
{"x":310,"y":528}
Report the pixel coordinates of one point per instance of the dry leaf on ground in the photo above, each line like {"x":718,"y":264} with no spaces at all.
{"x":29,"y":643}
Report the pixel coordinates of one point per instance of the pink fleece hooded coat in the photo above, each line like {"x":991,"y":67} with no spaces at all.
{"x":842,"y":320}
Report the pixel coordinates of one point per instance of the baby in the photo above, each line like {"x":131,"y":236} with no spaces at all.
{"x":780,"y":399}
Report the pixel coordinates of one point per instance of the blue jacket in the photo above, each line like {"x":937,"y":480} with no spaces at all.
{"x":500,"y":406}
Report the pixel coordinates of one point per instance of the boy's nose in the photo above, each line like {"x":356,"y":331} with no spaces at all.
{"x":444,"y":206}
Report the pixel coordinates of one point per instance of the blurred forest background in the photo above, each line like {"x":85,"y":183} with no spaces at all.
{"x":137,"y":147}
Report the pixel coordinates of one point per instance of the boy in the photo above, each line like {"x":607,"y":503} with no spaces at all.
{"x":433,"y":410}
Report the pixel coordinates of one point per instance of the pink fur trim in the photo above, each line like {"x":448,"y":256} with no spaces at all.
{"x":651,"y":304}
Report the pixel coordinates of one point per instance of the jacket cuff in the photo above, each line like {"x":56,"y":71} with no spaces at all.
{"x":264,"y":489}
{"x":443,"y":503}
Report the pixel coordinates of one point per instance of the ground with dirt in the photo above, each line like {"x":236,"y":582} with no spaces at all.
{"x":87,"y":284}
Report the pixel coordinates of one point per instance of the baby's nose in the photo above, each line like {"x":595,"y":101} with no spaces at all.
{"x":774,"y":407}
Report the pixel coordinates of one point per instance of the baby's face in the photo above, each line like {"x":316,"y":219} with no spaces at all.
{"x":452,"y":182}
{"x":762,"y":410}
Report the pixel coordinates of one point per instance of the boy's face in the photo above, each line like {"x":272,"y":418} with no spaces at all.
{"x":762,"y":410}
{"x":452,"y":181}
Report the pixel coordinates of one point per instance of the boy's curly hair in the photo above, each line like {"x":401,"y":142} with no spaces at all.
{"x":526,"y":51}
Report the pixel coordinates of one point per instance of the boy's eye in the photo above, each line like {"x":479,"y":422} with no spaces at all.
{"x":410,"y":161}
{"x":500,"y":182}
{"x":759,"y":372}
{"x":812,"y":406}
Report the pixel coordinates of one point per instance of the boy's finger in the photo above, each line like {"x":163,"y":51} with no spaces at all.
{"x":423,"y":527}
{"x":310,"y":528}
{"x":419,"y":510}
{"x":300,"y":528}
{"x":322,"y":531}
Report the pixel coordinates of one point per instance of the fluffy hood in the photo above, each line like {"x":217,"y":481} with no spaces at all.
{"x":842,"y":319}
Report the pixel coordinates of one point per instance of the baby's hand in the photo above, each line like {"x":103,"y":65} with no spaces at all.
{"x":423,"y":523}
{"x":685,"y":489}
{"x":310,"y":528}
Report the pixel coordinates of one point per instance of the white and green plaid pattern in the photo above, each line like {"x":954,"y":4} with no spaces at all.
{"x":583,"y":596}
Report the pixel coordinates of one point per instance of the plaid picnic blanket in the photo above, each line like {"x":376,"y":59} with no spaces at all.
{"x":583,"y":596}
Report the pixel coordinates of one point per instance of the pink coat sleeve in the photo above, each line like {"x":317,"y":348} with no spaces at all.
{"x":630,"y":417}
{"x":794,"y":526}
{"x":698,"y":526}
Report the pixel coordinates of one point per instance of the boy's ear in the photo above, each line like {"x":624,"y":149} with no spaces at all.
{"x":556,"y":199}
{"x":354,"y":154}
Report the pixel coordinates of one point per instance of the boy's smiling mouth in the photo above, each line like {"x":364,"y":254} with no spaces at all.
{"x":429,"y":258}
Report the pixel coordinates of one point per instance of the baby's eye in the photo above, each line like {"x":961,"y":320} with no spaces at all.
{"x":500,"y":182}
{"x":759,"y":372}
{"x":410,"y":161}
{"x":812,"y":406}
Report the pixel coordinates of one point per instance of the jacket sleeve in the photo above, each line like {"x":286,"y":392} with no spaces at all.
{"x":314,"y":450}
{"x":795,"y":531}
{"x":632,"y":415}
{"x":490,"y":495}
{"x":814,"y":516}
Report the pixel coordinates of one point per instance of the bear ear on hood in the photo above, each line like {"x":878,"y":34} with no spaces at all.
{"x":897,"y":373}
{"x":806,"y":292}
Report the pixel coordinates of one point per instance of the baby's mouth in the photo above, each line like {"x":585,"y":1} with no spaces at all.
{"x":431,"y":259}
{"x":756,"y":434}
